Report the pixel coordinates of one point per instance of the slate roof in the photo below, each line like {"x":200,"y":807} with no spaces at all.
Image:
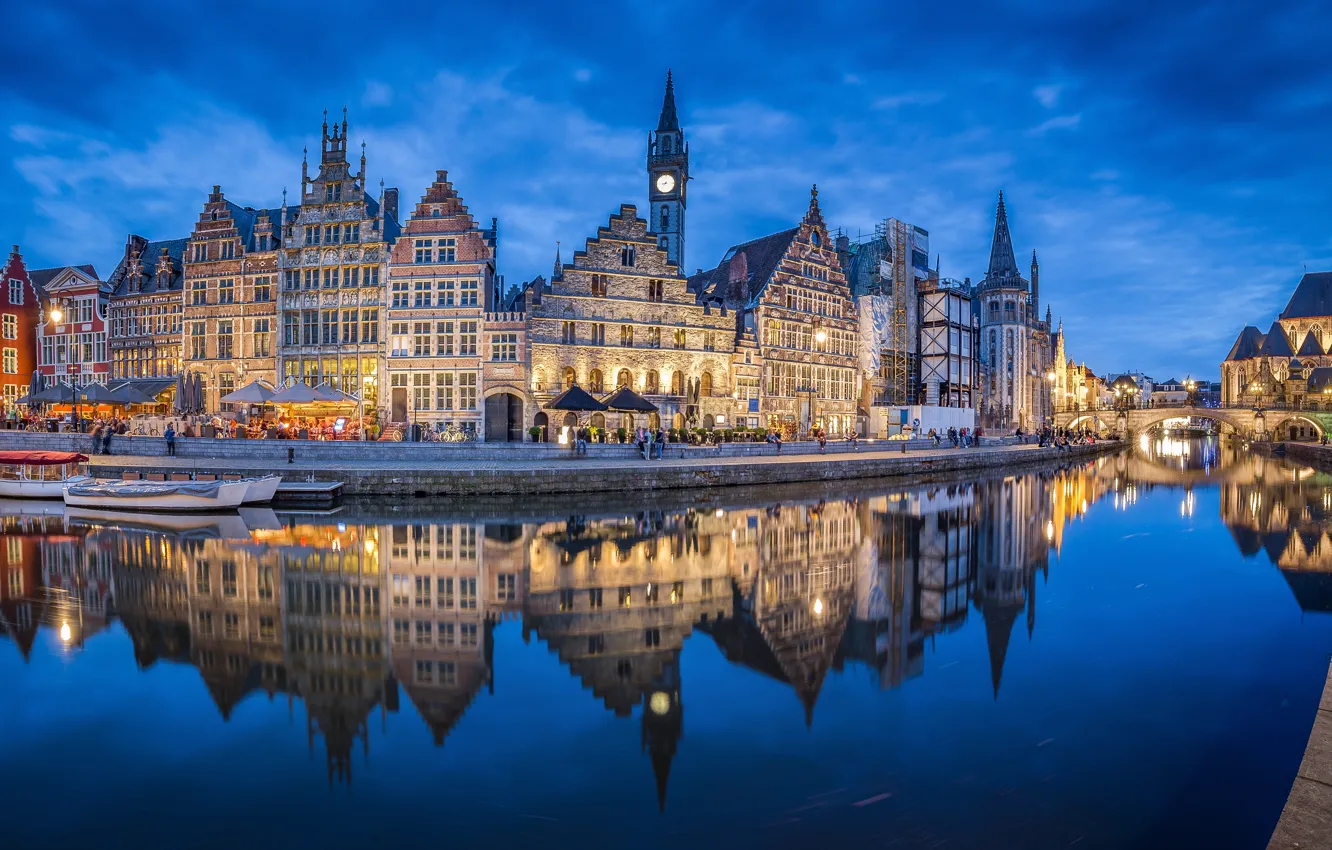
{"x":1310,"y":347}
{"x":41,"y":277}
{"x":1247,"y":344}
{"x":762,"y":257}
{"x":151,"y":253}
{"x":1275,"y":343}
{"x":1312,"y":297}
{"x":1003,"y":268}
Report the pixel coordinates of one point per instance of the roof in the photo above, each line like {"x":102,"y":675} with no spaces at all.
{"x":762,"y":256}
{"x":1319,"y":378}
{"x":669,"y":123}
{"x":149,"y":255}
{"x":1003,"y":269}
{"x":1275,"y":344}
{"x":41,"y":277}
{"x":1312,"y":297}
{"x":1247,"y":344}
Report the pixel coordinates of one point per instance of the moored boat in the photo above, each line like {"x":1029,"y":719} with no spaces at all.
{"x":169,"y":496}
{"x":40,"y":475}
{"x":261,"y":489}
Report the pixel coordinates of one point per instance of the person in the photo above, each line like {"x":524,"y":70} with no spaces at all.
{"x":853,"y":437}
{"x":661,"y":442}
{"x":97,"y":437}
{"x":823,"y":439}
{"x":106,"y":439}
{"x":934,"y":435}
{"x":189,"y":430}
{"x":170,"y":435}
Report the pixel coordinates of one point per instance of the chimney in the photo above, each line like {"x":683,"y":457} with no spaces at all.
{"x":736,"y":275}
{"x":391,"y":203}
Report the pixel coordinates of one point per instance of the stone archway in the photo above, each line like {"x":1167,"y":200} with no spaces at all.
{"x":542,"y":421}
{"x":1297,"y":427}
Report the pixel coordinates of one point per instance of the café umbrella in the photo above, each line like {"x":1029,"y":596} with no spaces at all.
{"x":252,"y":393}
{"x":297,"y":393}
{"x":575,"y":400}
{"x":197,"y":393}
{"x":627,"y":401}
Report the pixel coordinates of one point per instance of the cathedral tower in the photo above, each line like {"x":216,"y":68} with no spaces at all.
{"x":668,"y":172}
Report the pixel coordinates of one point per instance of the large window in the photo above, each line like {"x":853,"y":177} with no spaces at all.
{"x":10,"y":326}
{"x":263,"y":339}
{"x":467,"y":401}
{"x":467,"y":293}
{"x":504,"y":347}
{"x":467,"y":338}
{"x":225,"y":350}
{"x":226,"y":291}
{"x":10,"y":364}
{"x":198,"y":341}
{"x":15,"y":291}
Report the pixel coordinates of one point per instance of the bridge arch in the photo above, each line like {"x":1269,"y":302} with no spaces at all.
{"x":1283,"y":427}
{"x":1095,"y":419}
{"x":1140,"y":419}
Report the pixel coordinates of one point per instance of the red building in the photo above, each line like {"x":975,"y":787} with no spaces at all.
{"x":72,"y":340}
{"x":20,"y":311}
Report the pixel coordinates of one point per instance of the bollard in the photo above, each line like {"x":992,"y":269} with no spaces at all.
{"x":291,"y":455}
{"x":904,"y":442}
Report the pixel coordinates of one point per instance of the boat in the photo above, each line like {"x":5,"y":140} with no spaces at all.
{"x":168,"y":496}
{"x":203,"y":526}
{"x":261,"y":489}
{"x":40,"y":475}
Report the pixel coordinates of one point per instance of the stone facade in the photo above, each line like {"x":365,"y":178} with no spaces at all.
{"x":1288,"y":365}
{"x":791,"y":294}
{"x":231,"y":285}
{"x":73,"y":349}
{"x":145,"y":310}
{"x":333,"y":271}
{"x":441,"y":280}
{"x":1017,"y":351}
{"x":622,"y":315}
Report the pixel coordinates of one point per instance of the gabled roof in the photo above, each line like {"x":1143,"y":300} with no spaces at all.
{"x":1310,"y":347}
{"x":1247,"y":344}
{"x":149,"y":258}
{"x":1275,"y":343}
{"x":41,"y":277}
{"x":1312,"y":297}
{"x":762,"y":256}
{"x":1319,"y":378}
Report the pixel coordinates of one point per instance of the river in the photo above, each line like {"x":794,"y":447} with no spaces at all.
{"x":1120,"y":653}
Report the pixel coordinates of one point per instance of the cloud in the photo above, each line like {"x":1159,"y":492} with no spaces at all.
{"x":376,"y":94}
{"x":1047,"y":96}
{"x":1060,"y":122}
{"x":915,"y":98}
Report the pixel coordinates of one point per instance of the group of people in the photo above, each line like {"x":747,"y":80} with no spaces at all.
{"x":1063,"y":438}
{"x":961,"y":438}
{"x":102,"y":432}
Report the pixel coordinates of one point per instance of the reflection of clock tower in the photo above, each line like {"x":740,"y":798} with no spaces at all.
{"x":668,"y":172}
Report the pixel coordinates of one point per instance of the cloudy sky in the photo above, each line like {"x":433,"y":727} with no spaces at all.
{"x":1169,"y":161}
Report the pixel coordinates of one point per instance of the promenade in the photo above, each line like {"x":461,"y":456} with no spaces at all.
{"x":487,"y":470}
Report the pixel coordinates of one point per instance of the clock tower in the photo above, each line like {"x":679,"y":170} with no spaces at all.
{"x":668,"y":173}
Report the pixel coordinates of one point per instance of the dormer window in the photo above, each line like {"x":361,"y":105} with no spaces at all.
{"x":332,"y":192}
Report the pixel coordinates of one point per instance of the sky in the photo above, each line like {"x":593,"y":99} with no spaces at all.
{"x":1167,"y":161}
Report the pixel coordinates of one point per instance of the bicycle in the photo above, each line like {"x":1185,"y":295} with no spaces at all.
{"x":392,"y":434}
{"x":454,"y":434}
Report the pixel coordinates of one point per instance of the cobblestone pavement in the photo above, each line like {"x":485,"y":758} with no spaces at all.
{"x":570,"y":462}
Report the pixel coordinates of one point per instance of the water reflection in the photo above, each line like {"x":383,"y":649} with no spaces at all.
{"x":347,"y":617}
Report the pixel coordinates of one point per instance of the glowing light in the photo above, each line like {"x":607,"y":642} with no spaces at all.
{"x":64,"y":632}
{"x":369,"y":547}
{"x":659,"y":703}
{"x":56,"y":315}
{"x":1049,"y":529}
{"x":818,"y":607}
{"x":820,"y":336}
{"x":720,"y":513}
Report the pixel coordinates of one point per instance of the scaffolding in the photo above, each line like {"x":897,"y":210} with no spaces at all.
{"x":895,"y":235}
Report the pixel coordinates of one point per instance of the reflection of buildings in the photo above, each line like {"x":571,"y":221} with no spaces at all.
{"x":343,"y":615}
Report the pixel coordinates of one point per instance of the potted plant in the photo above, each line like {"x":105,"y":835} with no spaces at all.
{"x":620,"y":434}
{"x":535,"y":433}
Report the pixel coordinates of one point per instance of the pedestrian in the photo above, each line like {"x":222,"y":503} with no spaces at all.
{"x":660,"y":442}
{"x":823,"y":439}
{"x":170,"y":436}
{"x":97,"y":437}
{"x":106,"y":440}
{"x":854,"y":438}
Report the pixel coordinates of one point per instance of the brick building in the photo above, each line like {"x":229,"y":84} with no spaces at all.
{"x":230,"y":307}
{"x":144,"y":311}
{"x":20,"y":314}
{"x":332,"y":266}
{"x":72,"y":348}
{"x":792,"y":296}
{"x":441,"y":280}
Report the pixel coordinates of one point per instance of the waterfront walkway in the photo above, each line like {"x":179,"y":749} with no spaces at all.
{"x":1306,"y":822}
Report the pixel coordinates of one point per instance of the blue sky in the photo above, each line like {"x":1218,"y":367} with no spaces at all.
{"x":1168,"y":161}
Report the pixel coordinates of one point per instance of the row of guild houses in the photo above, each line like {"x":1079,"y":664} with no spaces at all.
{"x":797,"y":329}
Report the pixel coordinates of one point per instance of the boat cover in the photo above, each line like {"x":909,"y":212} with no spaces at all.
{"x":139,"y":489}
{"x":15,"y":458}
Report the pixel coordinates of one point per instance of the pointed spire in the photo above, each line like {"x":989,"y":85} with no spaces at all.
{"x":1003,"y":265}
{"x":558,"y":273}
{"x":998,"y":630}
{"x":669,"y":123}
{"x":814,"y":216}
{"x":325,"y":122}
{"x":344,"y":122}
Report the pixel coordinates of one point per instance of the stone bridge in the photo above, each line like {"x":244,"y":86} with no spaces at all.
{"x":1258,"y":424}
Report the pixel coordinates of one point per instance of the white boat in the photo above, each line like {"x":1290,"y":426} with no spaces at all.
{"x":40,"y":475}
{"x":224,"y":526}
{"x":261,"y":489}
{"x":169,"y":496}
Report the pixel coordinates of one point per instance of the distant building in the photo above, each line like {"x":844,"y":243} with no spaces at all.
{"x":1017,"y":348}
{"x":145,"y":310}
{"x":1288,"y":365}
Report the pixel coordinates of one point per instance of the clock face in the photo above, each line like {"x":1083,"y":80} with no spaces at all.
{"x":665,"y":183}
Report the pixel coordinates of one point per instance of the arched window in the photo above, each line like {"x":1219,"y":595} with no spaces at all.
{"x":595,"y":382}
{"x":1317,"y":331}
{"x":665,"y":218}
{"x":705,"y":385}
{"x":624,"y":379}
{"x":653,"y":381}
{"x":677,"y":382}
{"x":570,"y":377}
{"x":627,"y":255}
{"x":1293,"y":340}
{"x":665,"y":144}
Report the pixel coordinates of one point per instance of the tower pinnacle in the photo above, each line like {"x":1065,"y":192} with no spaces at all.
{"x":1003,"y":265}
{"x":669,"y":122}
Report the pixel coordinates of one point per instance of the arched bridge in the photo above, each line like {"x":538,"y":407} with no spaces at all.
{"x":1276,"y":424}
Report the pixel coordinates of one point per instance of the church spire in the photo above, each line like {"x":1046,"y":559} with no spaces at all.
{"x":1003,"y":265}
{"x":669,"y":123}
{"x":558,"y":273}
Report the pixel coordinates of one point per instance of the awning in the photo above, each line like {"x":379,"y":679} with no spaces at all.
{"x":15,"y":458}
{"x":152,"y":387}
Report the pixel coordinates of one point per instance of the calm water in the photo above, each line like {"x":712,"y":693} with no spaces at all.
{"x":1126,"y":653}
